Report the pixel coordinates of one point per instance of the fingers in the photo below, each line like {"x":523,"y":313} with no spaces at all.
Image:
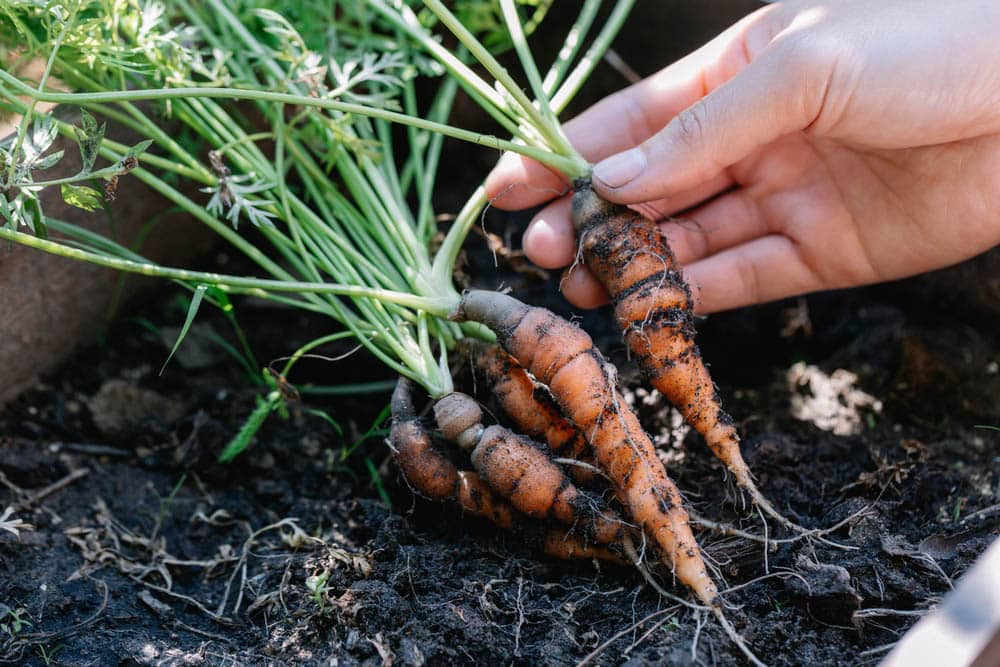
{"x":632,"y":115}
{"x":762,"y":270}
{"x":726,"y":222}
{"x":517,"y":182}
{"x":773,"y":95}
{"x":725,"y":247}
{"x":550,"y":241}
{"x":659,"y":209}
{"x":582,"y":289}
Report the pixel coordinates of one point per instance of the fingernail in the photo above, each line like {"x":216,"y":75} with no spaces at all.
{"x":506,"y":161}
{"x":620,"y":169}
{"x":531,"y":231}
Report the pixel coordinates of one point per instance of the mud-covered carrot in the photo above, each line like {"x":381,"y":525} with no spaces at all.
{"x":532,"y":408}
{"x":632,"y":259}
{"x":521,"y":471}
{"x":572,"y":547}
{"x":430,"y":474}
{"x":563,"y":357}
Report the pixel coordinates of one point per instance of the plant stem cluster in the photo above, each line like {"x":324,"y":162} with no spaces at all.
{"x":284,"y":118}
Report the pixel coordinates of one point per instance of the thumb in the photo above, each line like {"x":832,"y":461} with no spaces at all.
{"x":775,"y":94}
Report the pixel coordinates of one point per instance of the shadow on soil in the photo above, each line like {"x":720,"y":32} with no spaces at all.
{"x":146,"y":551}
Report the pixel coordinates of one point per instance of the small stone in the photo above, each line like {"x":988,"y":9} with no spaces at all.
{"x":120,"y":409}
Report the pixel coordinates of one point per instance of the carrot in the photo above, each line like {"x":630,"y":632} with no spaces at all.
{"x":460,"y":419}
{"x":632,"y":259}
{"x":532,"y":408}
{"x":432,"y":475}
{"x":570,"y":547}
{"x":563,"y":357}
{"x":521,"y":471}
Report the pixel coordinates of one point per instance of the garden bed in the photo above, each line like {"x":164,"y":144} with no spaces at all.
{"x":863,"y":408}
{"x":415,"y":583}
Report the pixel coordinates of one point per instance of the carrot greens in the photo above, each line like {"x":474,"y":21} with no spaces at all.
{"x":283,"y":115}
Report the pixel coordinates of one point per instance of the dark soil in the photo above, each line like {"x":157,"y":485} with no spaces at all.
{"x":147,"y":558}
{"x":150,"y":552}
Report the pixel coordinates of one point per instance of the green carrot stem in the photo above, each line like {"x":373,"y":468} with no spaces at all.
{"x":572,"y":167}
{"x":439,"y":307}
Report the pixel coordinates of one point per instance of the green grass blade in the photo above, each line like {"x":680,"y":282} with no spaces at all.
{"x":196,"y":298}
{"x":241,"y":441}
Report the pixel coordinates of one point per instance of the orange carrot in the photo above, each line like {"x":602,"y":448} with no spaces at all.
{"x":520,"y":470}
{"x":632,"y":259}
{"x":433,"y":476}
{"x":570,"y":547}
{"x":563,"y":357}
{"x":430,"y":473}
{"x":533,"y":409}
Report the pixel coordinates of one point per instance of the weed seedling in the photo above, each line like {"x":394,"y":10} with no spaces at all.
{"x":47,"y":655}
{"x":13,"y":621}
{"x":317,"y":586}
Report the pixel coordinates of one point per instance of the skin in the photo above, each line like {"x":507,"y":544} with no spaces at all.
{"x":812,"y":145}
{"x":630,"y":257}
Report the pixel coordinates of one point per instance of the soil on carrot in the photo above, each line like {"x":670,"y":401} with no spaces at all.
{"x":855,"y":407}
{"x":863,"y":409}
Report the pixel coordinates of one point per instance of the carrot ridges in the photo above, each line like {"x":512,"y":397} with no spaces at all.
{"x":585,"y":389}
{"x":653,"y":306}
{"x":652,"y":282}
{"x":532,"y":408}
{"x":432,"y":475}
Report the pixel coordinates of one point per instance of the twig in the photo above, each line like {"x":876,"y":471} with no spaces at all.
{"x":818,"y":533}
{"x":43,"y":493}
{"x":644,"y":571}
{"x":736,"y":638}
{"x":652,"y":629}
{"x":878,"y":611}
{"x":587,"y":659}
{"x":520,"y":616}
{"x":11,"y":485}
{"x":204,"y":633}
{"x":699,"y":624}
{"x":986,"y":511}
{"x":190,"y":600}
{"x":877,"y":650}
{"x":91,"y":449}
{"x":43,"y":637}
{"x":772,"y":575}
{"x":767,"y":567}
{"x":241,"y":564}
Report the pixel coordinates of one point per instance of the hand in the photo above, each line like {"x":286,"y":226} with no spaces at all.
{"x":813,"y":145}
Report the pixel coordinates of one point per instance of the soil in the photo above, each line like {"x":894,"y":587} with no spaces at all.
{"x":309,"y":548}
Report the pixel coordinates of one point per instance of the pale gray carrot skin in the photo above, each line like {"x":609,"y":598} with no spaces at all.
{"x":632,"y":259}
{"x":563,"y":357}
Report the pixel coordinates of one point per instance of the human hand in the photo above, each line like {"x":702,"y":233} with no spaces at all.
{"x":813,"y":145}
